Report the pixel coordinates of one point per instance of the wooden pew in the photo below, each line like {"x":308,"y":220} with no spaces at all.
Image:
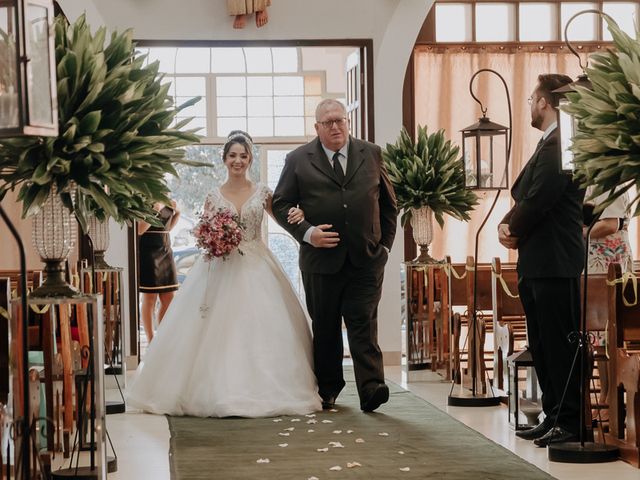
{"x":624,"y":360}
{"x":509,"y":323}
{"x":482,"y":361}
{"x":5,"y":309}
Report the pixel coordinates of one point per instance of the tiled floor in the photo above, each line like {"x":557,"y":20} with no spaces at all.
{"x":142,"y":441}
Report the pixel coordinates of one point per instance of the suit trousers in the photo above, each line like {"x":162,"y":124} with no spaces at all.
{"x":353,"y":293}
{"x":552,"y":309}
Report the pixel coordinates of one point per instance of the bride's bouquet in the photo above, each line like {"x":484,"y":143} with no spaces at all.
{"x":218,"y":233}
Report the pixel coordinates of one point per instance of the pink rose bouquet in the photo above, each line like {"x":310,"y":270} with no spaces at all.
{"x":218,"y":233}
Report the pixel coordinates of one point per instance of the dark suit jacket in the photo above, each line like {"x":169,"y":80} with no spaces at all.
{"x":363,"y":210}
{"x":547,"y":216}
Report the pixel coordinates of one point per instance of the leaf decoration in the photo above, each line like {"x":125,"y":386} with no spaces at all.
{"x":117,"y":141}
{"x":428,"y":172}
{"x":606,"y":145}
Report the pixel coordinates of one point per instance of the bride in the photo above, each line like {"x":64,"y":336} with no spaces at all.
{"x":235,"y":340}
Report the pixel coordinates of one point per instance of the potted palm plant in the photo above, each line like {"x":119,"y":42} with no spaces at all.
{"x":428,"y":179}
{"x":606,"y":146}
{"x":116,"y":144}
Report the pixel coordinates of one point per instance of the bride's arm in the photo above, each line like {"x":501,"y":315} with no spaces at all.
{"x":295,"y":215}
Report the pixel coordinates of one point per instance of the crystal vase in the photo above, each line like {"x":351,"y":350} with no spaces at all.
{"x":422,"y":225}
{"x":99,"y":235}
{"x":54,"y":232}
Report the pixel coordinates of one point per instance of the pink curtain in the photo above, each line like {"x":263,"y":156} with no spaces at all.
{"x":442,"y":100}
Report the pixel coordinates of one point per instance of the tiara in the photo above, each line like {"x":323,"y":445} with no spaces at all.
{"x":240,"y":135}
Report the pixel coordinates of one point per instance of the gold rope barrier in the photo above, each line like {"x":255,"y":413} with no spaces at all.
{"x":505,"y":287}
{"x":624,"y":280}
{"x":424,"y":270}
{"x":39,"y":310}
{"x":449,"y":270}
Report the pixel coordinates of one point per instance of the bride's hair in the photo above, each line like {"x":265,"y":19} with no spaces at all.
{"x":241,"y":138}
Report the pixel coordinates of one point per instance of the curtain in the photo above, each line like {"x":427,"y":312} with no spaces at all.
{"x":9,"y":253}
{"x":442,"y":100}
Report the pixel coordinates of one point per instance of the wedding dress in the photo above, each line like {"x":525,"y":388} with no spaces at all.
{"x":235,"y":340}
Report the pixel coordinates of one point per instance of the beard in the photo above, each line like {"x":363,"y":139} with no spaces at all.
{"x":536,"y":120}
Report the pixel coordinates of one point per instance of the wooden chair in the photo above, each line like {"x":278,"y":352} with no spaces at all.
{"x":509,"y":323}
{"x":457,"y":305}
{"x":624,"y":359}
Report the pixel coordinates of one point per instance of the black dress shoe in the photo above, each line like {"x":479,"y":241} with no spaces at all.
{"x":379,"y":395}
{"x":328,"y":403}
{"x":536,"y":432}
{"x":556,"y":435}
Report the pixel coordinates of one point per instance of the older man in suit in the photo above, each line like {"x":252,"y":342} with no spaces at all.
{"x":350,"y":221}
{"x":545,"y":225}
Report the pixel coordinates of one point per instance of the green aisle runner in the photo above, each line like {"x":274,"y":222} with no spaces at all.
{"x":407,"y":438}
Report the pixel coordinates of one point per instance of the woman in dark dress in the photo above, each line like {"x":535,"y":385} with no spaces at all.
{"x":157,"y":270}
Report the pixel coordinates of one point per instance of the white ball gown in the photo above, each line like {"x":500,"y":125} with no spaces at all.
{"x":235,"y":340}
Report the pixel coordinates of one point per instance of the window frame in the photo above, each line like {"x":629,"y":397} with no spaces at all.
{"x":428,"y":33}
{"x":365,"y":117}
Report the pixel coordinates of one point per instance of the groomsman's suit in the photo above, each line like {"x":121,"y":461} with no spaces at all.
{"x":547,"y":219}
{"x":345,"y":281}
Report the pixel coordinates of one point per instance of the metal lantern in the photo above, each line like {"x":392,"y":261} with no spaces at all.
{"x":485,"y":155}
{"x":525,"y":403}
{"x":28,"y":103}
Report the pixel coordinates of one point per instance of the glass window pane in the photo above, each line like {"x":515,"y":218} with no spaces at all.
{"x":193,"y":60}
{"x":227,"y":60}
{"x":226,"y":125}
{"x":537,"y":22}
{"x":495,"y":22}
{"x":583,"y":27}
{"x":261,"y":127}
{"x":625,"y":14}
{"x":453,"y":22}
{"x":288,"y":86}
{"x":232,"y":106}
{"x":258,"y":60}
{"x":166,"y":57}
{"x":231,"y":86}
{"x":285,"y":60}
{"x":289,"y":126}
{"x":289,"y":106}
{"x":260,"y":106}
{"x":260,"y":86}
{"x":190,"y":86}
{"x":197,"y":122}
{"x":197,"y":110}
{"x":312,"y":85}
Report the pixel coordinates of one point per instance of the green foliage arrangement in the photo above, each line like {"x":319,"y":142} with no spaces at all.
{"x":606,"y":146}
{"x":116,"y":142}
{"x":428,"y":173}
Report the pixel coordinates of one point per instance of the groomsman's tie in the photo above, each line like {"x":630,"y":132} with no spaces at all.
{"x":337,"y":167}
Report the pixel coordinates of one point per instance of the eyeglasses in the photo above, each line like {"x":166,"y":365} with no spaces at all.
{"x":530,"y":100}
{"x":328,"y":124}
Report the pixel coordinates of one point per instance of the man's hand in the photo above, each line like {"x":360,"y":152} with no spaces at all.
{"x":320,"y":238}
{"x":505,"y":237}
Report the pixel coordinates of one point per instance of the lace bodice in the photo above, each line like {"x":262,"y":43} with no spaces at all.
{"x":251,"y":213}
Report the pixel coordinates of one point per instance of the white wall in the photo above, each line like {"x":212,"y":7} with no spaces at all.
{"x":392,"y":24}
